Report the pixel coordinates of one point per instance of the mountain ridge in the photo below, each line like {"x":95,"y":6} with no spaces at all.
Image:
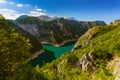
{"x":57,"y":30}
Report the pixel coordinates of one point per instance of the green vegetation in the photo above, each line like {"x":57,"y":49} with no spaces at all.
{"x":14,"y":55}
{"x":14,"y":51}
{"x":102,"y":43}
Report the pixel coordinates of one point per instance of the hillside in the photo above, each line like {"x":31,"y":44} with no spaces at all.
{"x":92,"y":58}
{"x":96,"y":54}
{"x":36,"y":45}
{"x":57,"y":30}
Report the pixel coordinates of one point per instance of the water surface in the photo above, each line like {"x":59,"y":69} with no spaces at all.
{"x":51,"y":53}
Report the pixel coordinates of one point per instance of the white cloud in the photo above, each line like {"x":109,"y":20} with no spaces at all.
{"x":7,"y":10}
{"x":9,"y":14}
{"x":12,"y":14}
{"x":19,"y":5}
{"x":36,"y":13}
{"x":3,"y":1}
{"x":38,"y":9}
{"x":11,"y":3}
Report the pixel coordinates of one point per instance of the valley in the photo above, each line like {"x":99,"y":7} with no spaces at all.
{"x":59,"y":49}
{"x":51,"y":53}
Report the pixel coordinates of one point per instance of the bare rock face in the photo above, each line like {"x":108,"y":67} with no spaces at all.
{"x":87,"y":62}
{"x":115,"y":66}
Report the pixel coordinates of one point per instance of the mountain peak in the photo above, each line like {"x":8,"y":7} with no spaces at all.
{"x":22,"y":17}
{"x":70,"y":18}
{"x":45,"y":17}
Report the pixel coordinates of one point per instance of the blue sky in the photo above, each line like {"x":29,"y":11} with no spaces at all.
{"x":107,"y":10}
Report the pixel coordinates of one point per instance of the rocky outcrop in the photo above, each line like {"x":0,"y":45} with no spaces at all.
{"x":87,"y":62}
{"x":114,"y":65}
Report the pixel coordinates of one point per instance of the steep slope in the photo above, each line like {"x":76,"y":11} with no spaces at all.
{"x":56,"y":31}
{"x":90,"y":57}
{"x":35,"y":43}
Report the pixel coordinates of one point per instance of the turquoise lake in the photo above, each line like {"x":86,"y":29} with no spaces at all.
{"x":51,"y":53}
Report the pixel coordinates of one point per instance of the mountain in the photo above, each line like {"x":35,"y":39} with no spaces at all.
{"x":22,"y":17}
{"x":36,"y":45}
{"x":96,"y":55}
{"x":44,"y":17}
{"x":70,"y":18}
{"x":56,"y":31}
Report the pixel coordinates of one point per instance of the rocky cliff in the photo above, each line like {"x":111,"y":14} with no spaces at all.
{"x":57,"y":30}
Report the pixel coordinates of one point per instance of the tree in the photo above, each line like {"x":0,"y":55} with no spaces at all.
{"x":14,"y":51}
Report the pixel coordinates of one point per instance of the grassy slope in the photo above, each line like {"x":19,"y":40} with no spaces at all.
{"x":105,"y":44}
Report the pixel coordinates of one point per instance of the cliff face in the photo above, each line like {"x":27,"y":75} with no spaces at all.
{"x":57,"y":30}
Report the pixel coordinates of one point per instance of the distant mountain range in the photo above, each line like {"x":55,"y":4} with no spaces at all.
{"x":45,"y":17}
{"x":55,"y":30}
{"x":44,"y":29}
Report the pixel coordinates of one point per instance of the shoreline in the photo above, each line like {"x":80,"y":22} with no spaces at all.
{"x":59,"y":45}
{"x":37,"y":53}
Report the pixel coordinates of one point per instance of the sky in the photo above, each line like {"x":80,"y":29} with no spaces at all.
{"x":82,"y":10}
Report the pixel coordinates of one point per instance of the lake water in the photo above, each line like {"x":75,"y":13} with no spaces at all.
{"x":51,"y":53}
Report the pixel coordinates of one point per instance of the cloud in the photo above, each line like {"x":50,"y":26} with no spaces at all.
{"x":7,"y":10}
{"x":3,"y":1}
{"x":12,"y":14}
{"x":11,"y":3}
{"x":36,"y":13}
{"x":19,"y":5}
{"x":38,"y":9}
{"x":9,"y":13}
